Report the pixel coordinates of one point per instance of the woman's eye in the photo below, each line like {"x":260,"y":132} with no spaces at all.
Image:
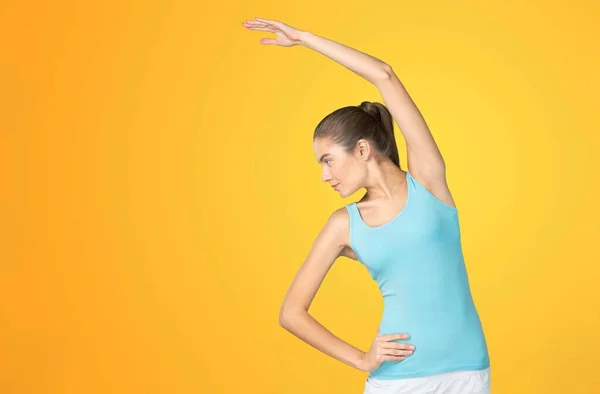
{"x":328,"y":161}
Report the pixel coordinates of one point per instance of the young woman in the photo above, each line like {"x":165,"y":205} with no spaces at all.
{"x":405,"y":230}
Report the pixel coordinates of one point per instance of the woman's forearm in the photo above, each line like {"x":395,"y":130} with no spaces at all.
{"x":367,"y":66}
{"x":308,"y":329}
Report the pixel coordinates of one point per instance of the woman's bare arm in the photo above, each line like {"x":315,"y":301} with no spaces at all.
{"x":425,"y":161}
{"x":369,"y":67}
{"x":294,"y":315}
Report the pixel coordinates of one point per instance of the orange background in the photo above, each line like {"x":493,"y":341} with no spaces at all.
{"x":158,"y":188}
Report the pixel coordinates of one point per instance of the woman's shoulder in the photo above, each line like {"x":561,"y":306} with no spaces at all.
{"x":340,"y":219}
{"x":341,"y":214}
{"x":336,"y":228}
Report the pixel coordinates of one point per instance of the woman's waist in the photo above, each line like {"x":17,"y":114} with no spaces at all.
{"x":449,"y":341}
{"x":431,"y":305}
{"x":432,"y":325}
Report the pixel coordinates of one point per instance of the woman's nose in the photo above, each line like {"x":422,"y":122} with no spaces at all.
{"x":325,"y":177}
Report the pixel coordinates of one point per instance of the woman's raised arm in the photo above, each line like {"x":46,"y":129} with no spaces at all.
{"x":425,"y":161}
{"x":367,"y":66}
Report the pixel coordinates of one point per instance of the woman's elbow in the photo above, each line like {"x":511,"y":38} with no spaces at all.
{"x":282,"y":320}
{"x":287,"y":316}
{"x":387,"y":70}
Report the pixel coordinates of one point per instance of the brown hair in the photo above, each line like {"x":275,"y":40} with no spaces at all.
{"x":369,"y":120}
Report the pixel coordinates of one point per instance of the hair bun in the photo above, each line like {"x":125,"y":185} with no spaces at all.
{"x":371,"y":108}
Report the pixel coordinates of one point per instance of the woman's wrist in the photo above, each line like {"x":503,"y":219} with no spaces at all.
{"x":304,"y":37}
{"x":359,"y":364}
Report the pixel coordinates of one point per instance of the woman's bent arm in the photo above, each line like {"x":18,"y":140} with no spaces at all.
{"x":307,"y":328}
{"x":294,"y":315}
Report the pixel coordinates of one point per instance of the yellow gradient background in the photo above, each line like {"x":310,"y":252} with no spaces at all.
{"x":158,"y":188}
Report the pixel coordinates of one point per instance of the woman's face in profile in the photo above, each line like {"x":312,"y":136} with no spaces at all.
{"x":340,"y":169}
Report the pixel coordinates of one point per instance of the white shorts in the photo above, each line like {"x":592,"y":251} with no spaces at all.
{"x":457,"y":382}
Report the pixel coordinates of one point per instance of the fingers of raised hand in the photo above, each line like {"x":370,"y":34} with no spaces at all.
{"x":270,"y":22}
{"x":252,"y":25}
{"x":264,"y":23}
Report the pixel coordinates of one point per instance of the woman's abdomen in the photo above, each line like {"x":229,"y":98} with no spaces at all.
{"x":446,"y":337}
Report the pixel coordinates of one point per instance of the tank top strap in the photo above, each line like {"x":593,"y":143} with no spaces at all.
{"x":419,"y":191}
{"x":415,"y":189}
{"x":356,"y":225}
{"x":353,"y":212}
{"x":410,"y":181}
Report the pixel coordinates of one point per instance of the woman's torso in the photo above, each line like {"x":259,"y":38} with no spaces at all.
{"x":416,"y":259}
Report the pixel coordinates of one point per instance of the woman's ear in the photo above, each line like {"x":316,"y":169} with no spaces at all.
{"x":363,"y":149}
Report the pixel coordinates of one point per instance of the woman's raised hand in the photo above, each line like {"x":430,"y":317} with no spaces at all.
{"x":384,"y":349}
{"x":287,"y":36}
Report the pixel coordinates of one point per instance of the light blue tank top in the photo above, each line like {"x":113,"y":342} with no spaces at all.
{"x":416,"y":259}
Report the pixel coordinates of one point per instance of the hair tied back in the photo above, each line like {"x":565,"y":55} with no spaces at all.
{"x":371,"y":109}
{"x":346,"y":125}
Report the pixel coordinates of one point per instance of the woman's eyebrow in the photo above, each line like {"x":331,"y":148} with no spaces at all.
{"x":322,"y":157}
